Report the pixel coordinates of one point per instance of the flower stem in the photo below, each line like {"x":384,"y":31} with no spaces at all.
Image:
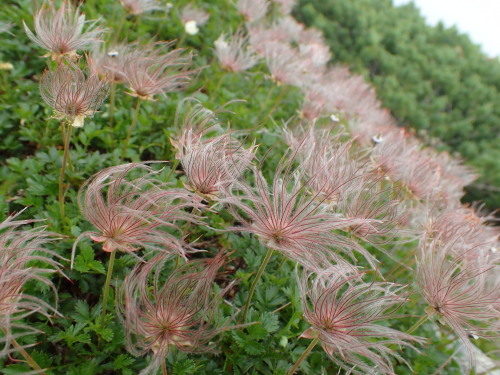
{"x":283,"y":91}
{"x":254,"y":283}
{"x":29,"y":359}
{"x":66,"y":140}
{"x":163,"y":368}
{"x":106,"y":286}
{"x":417,"y":324}
{"x":131,"y":128}
{"x":174,"y":167}
{"x":112,"y":105}
{"x":303,"y":356}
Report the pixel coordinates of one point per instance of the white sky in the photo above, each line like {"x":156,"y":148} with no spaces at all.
{"x":478,"y":18}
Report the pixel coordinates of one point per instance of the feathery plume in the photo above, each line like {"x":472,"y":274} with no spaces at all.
{"x":152,"y":69}
{"x":252,"y":10}
{"x":110,"y":61}
{"x":136,"y":213}
{"x":235,"y":55}
{"x":18,"y":248}
{"x":212,"y":166}
{"x":457,"y":290}
{"x":72,"y":93}
{"x":60,"y":31}
{"x":180,"y":313}
{"x":290,"y":220}
{"x":343,"y":310}
{"x":136,"y":7}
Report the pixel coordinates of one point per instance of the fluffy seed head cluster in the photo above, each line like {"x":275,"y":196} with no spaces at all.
{"x":60,"y":31}
{"x":152,"y":69}
{"x":136,"y":7}
{"x":17,"y":249}
{"x":457,"y":291}
{"x":131,"y":212}
{"x":290,"y":220}
{"x":72,"y":93}
{"x":235,"y":55}
{"x":343,"y":312}
{"x":177,"y":313}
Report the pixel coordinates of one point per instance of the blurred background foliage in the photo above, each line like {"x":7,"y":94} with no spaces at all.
{"x":432,"y":78}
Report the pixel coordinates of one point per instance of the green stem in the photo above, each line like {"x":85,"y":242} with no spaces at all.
{"x":417,"y":324}
{"x":264,"y":105}
{"x":303,"y":356}
{"x":284,"y":90}
{"x":131,"y":128}
{"x":254,"y":283}
{"x":106,"y":286}
{"x":164,"y":368}
{"x":219,"y":84}
{"x":112,"y":104}
{"x":174,"y":167}
{"x":66,"y":140}
{"x":29,"y":359}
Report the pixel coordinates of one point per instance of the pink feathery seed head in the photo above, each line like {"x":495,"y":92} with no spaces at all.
{"x":152,"y":69}
{"x":190,"y":13}
{"x":454,"y":176}
{"x":457,"y":291}
{"x":212,"y":166}
{"x":109,"y":61}
{"x":331,"y":165}
{"x":193,"y":122}
{"x":343,"y":311}
{"x":177,"y":313}
{"x":316,"y":56}
{"x":392,"y":150}
{"x":252,"y":10}
{"x":263,"y":38}
{"x":131,"y":209}
{"x":376,"y":199}
{"x":287,"y":218}
{"x":136,"y":7}
{"x":60,"y":31}
{"x":467,"y":222}
{"x":72,"y":93}
{"x":284,"y":63}
{"x":234,"y":54}
{"x":18,"y":248}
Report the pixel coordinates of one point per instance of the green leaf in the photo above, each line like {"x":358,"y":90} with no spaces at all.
{"x":122,"y":362}
{"x":85,"y":262}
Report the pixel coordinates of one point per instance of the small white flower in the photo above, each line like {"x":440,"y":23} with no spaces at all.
{"x":334,"y":118}
{"x":191,"y":27}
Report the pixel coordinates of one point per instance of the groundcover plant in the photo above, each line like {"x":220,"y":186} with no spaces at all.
{"x":197,"y":188}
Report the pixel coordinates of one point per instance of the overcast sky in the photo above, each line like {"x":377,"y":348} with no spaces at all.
{"x":478,"y":18}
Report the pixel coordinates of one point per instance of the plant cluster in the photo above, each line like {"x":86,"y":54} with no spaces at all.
{"x":315,"y":218}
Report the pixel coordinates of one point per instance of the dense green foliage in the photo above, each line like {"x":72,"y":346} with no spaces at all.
{"x":433,"y":79}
